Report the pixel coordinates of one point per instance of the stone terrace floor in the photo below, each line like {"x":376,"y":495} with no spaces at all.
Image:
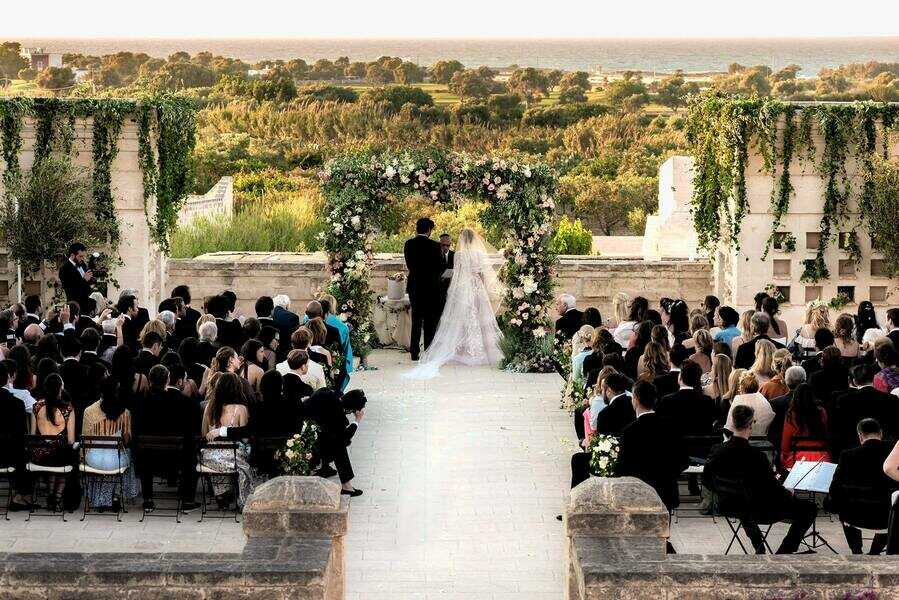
{"x":463,"y":477}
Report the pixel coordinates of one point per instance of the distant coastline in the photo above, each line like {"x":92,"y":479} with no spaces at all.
{"x":661,"y":55}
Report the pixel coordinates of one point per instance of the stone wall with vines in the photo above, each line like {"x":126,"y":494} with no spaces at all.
{"x":725,"y":130}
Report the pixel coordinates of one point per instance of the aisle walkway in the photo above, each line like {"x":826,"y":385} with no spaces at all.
{"x":463,"y":476}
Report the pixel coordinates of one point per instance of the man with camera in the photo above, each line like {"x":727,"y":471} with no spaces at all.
{"x":75,"y":275}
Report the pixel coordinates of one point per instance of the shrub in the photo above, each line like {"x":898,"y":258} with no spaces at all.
{"x":882,"y":210}
{"x":396,"y":96}
{"x":561,"y":115}
{"x":328,"y":93}
{"x":571,"y":237}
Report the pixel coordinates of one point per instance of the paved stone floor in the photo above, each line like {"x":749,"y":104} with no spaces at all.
{"x":463,"y":477}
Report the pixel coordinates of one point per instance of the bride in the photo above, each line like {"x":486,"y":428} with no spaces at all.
{"x":468,"y":332}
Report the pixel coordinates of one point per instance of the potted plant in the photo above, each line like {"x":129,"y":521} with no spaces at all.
{"x":396,"y":286}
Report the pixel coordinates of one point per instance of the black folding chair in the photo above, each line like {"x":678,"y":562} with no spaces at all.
{"x":212,"y":473}
{"x":94,"y":479}
{"x":166,"y":450}
{"x":8,"y":467}
{"x":733,"y":494}
{"x":869,"y":505}
{"x":33,"y":445}
{"x":698,"y":448}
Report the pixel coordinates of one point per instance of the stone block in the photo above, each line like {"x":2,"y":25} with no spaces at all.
{"x":303,"y":506}
{"x":621,"y":507}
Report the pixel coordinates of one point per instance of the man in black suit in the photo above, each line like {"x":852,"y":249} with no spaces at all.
{"x":150,"y":351}
{"x":758,"y":326}
{"x":689,"y":410}
{"x":651,"y":449}
{"x":264,"y":307}
{"x":570,"y":318}
{"x":187,"y":323}
{"x":286,"y":321}
{"x":75,"y":377}
{"x":32,"y":314}
{"x":893,"y":326}
{"x":765,"y":500}
{"x":74,"y":275}
{"x":424,"y":261}
{"x":823,"y":339}
{"x":860,"y":491}
{"x":142,"y":317}
{"x":294,"y":389}
{"x":314,"y":310}
{"x":13,"y":423}
{"x":449,"y":258}
{"x":127,"y":324}
{"x":860,"y":402}
{"x":230,"y":331}
{"x":329,"y":411}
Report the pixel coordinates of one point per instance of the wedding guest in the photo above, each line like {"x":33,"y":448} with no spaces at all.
{"x":127,"y":325}
{"x":678,"y":321}
{"x":722,"y":366}
{"x":226,"y":409}
{"x":230,"y":331}
{"x":865,"y":319}
{"x":823,"y":339}
{"x":636,"y":314}
{"x":710,"y":308}
{"x":775,"y":387}
{"x":689,"y":410}
{"x":655,"y":362}
{"x":23,"y":394}
{"x":570,"y":318}
{"x":831,"y":379}
{"x":315,"y":374}
{"x":769,"y":500}
{"x":151,"y":347}
{"x":749,"y":396}
{"x":319,"y":339}
{"x":844,"y":339}
{"x":763,"y":366}
{"x":592,"y":317}
{"x":702,"y":346}
{"x":251,"y":328}
{"x":252,"y":361}
{"x":270,"y":340}
{"x":187,"y":324}
{"x":580,"y":348}
{"x":286,"y":321}
{"x":817,"y":317}
{"x":295,"y":389}
{"x":778,"y":328}
{"x":759,"y":326}
{"x":892,"y":327}
{"x":759,"y":300}
{"x":53,"y":417}
{"x":620,"y":308}
{"x":862,"y":401}
{"x":619,"y":412}
{"x":329,"y":307}
{"x":793,"y":378}
{"x":887,"y":379}
{"x":745,"y":327}
{"x":329,"y":411}
{"x":13,"y":425}
{"x":804,"y":418}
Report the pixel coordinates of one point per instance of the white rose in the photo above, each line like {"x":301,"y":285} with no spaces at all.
{"x":539,"y":332}
{"x":290,"y":454}
{"x":356,"y":221}
{"x":389,"y":172}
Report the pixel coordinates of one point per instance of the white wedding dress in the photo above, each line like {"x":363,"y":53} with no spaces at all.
{"x":468,"y":332}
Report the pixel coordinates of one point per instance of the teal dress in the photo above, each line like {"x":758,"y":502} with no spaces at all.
{"x":347,"y":346}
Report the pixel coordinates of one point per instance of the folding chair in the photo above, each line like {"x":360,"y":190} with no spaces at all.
{"x":162,"y":449}
{"x":93,"y":479}
{"x":733,"y":493}
{"x":872,"y":505}
{"x":34,"y":443}
{"x":210,"y":474}
{"x":698,"y":448}
{"x":8,"y":472}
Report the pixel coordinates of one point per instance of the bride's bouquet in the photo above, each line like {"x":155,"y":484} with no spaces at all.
{"x":604,"y":455}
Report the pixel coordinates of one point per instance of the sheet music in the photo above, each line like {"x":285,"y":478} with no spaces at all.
{"x":809,"y":476}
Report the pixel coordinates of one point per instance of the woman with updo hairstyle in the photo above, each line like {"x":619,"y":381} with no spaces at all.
{"x":679,"y":321}
{"x":702,"y":344}
{"x":865,"y":319}
{"x":270,"y":339}
{"x":749,"y":396}
{"x":777,"y":386}
{"x":817,"y":316}
{"x":777,"y":330}
{"x":843,"y":331}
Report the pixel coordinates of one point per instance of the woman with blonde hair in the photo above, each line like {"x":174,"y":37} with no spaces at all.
{"x":817,"y":316}
{"x":655,"y":362}
{"x":844,"y":338}
{"x":319,"y":336}
{"x":731,"y":390}
{"x":628,"y":327}
{"x":745,"y":330}
{"x":580,"y":348}
{"x":763,"y":368}
{"x":702,"y":345}
{"x":156,"y":326}
{"x":620,"y":306}
{"x":776,"y":386}
{"x":204,"y":318}
{"x":722,"y":366}
{"x":749,"y":396}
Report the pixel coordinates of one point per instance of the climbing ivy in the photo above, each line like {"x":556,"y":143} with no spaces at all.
{"x":723,"y":129}
{"x":12,"y":113}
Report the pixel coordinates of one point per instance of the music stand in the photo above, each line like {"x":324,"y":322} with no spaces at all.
{"x":814,"y":478}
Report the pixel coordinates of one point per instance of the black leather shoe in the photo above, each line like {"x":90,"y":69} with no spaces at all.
{"x":414,"y":359}
{"x":351,"y":493}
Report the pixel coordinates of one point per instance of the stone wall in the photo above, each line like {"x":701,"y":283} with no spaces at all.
{"x":616,"y":530}
{"x":219,"y":200}
{"x":593,"y":280}
{"x":295,"y":528}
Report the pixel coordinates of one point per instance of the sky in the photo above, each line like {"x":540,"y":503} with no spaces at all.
{"x":452,"y":19}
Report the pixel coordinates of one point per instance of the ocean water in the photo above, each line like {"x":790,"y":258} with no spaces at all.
{"x":652,"y":55}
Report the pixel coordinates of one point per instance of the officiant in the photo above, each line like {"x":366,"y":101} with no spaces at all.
{"x":448,"y":256}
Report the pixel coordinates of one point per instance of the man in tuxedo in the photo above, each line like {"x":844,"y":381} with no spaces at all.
{"x":823,"y":339}
{"x":670,"y":382}
{"x":75,"y":377}
{"x":187,"y":323}
{"x":570,"y":318}
{"x":74,"y":275}
{"x":860,"y":402}
{"x":860,"y":491}
{"x":32,"y":314}
{"x":449,"y":257}
{"x":142,"y":317}
{"x":230,"y":331}
{"x":893,"y":326}
{"x":425,"y":263}
{"x":758,"y":326}
{"x":286,"y":321}
{"x":766,"y":500}
{"x":328,"y":410}
{"x":294,"y":388}
{"x":651,"y":449}
{"x":688,"y":410}
{"x":148,"y":357}
{"x":127,"y":323}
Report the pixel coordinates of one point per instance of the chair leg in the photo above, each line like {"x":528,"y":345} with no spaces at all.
{"x":736,"y":537}
{"x":8,"y":498}
{"x":203,"y":483}
{"x":85,"y":483}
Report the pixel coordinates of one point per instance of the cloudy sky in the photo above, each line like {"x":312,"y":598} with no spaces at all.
{"x":458,"y":18}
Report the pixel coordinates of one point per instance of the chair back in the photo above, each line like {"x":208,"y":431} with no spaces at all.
{"x":809,"y":448}
{"x":36,"y":442}
{"x":732,"y":496}
{"x":10,"y":449}
{"x":866,"y":507}
{"x":700,"y":446}
{"x":159,"y":443}
{"x":764,"y":445}
{"x":228,"y":448}
{"x":103,"y":442}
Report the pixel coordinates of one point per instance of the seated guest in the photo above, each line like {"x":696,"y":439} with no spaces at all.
{"x":315,"y":310}
{"x":775,"y":387}
{"x":592,"y":363}
{"x":759,"y":327}
{"x":230,"y":331}
{"x":804,"y":418}
{"x":294,"y":388}
{"x":831,"y":379}
{"x":108,"y":340}
{"x":778,"y":330}
{"x":726,"y":320}
{"x":702,"y":349}
{"x":710,"y":308}
{"x":109,"y":417}
{"x":226,"y":361}
{"x":329,"y":308}
{"x":636,"y":314}
{"x":688,"y":410}
{"x":275,"y":416}
{"x":793,"y":378}
{"x":329,"y":411}
{"x":651,"y":449}
{"x":767,"y":500}
{"x":592,"y":317}
{"x":887,"y":379}
{"x":269,"y":337}
{"x":264,"y":307}
{"x":580,"y":348}
{"x":252,"y":363}
{"x":251,"y":328}
{"x":193,"y":361}
{"x":315,"y":374}
{"x":227,"y":409}
{"x":641,"y":338}
{"x":762,"y":367}
{"x":749,"y":395}
{"x":128,"y":326}
{"x":655,"y":362}
{"x":844,"y":339}
{"x":862,"y":401}
{"x":570,"y":318}
{"x":667,"y":383}
{"x":286,"y":321}
{"x":53,"y":417}
{"x":817,"y":318}
{"x":170,"y":340}
{"x":23,"y":394}
{"x":165,"y":411}
{"x":892,"y":326}
{"x":618,"y":412}
{"x":187,"y":323}
{"x":13,"y":425}
{"x":151,"y":346}
{"x":722,"y":366}
{"x":823,"y":339}
{"x":860,"y":490}
{"x":320,"y":345}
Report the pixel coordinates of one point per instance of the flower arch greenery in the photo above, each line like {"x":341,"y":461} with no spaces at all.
{"x":357,"y":188}
{"x":722,"y":129}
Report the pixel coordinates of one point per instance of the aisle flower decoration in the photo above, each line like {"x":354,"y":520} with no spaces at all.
{"x":298,"y":455}
{"x":574,"y":394}
{"x":604,"y":450}
{"x":358,"y":187}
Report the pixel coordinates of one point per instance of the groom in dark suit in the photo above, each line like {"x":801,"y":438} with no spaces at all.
{"x":424,"y":260}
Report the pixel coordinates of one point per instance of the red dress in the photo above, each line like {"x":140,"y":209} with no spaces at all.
{"x":787,"y":458}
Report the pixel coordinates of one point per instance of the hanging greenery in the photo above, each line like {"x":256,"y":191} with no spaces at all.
{"x":357,"y":189}
{"x":12,"y":115}
{"x":724,"y":129}
{"x":108,"y":122}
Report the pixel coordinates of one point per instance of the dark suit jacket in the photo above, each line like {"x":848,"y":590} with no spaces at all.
{"x":448,"y":263}
{"x":326,"y":410}
{"x":285,"y":416}
{"x":77,"y":381}
{"x":616,"y":416}
{"x":667,"y":384}
{"x":25,"y":322}
{"x":144,"y":361}
{"x":860,"y":492}
{"x":424,"y":260}
{"x":894,"y":337}
{"x":287,"y":322}
{"x":829,"y":383}
{"x":856,"y":404}
{"x":142,"y":318}
{"x":73,"y":283}
{"x":736,"y":459}
{"x":12,"y":424}
{"x":230,"y":333}
{"x":568,"y":324}
{"x":166,"y":413}
{"x":652,"y":451}
{"x":131,"y":329}
{"x":690,"y":412}
{"x":746,"y":352}
{"x":186,"y":326}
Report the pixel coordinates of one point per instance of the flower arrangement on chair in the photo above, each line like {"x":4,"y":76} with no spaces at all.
{"x":299,"y":454}
{"x":604,"y":455}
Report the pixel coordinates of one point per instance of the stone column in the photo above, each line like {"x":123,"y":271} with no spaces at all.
{"x":622,"y":515}
{"x":291,"y":508}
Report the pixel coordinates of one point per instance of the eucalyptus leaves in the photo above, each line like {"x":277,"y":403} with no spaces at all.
{"x":723,"y":129}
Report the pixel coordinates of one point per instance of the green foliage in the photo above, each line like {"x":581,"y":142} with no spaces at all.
{"x":28,"y":74}
{"x":46,"y":210}
{"x":474,"y":84}
{"x":530,"y":83}
{"x":571,"y":237}
{"x":11,"y":61}
{"x":608,"y":202}
{"x":628,"y":93}
{"x":394,"y":97}
{"x":328,"y":93}
{"x":55,"y":79}
{"x":579,"y":79}
{"x":572,"y":95}
{"x":442,"y":71}
{"x":883,"y":208}
{"x":673,"y":90}
{"x":12,"y":114}
{"x":561,"y":116}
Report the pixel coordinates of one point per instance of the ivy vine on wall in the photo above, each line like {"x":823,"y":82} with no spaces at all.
{"x":724,"y":129}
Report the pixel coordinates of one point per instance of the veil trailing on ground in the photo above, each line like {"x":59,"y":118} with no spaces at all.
{"x":468,"y":332}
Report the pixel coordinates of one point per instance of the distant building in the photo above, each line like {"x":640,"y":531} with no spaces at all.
{"x":258,"y":72}
{"x":39,"y":59}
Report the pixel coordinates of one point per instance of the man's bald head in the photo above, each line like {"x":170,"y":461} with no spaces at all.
{"x":32,"y":334}
{"x":314,"y":309}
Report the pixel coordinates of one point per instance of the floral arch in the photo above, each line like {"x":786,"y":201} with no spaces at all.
{"x":357,"y":188}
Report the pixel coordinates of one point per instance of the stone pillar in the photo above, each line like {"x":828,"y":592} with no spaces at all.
{"x":302,"y":507}
{"x":622,"y":514}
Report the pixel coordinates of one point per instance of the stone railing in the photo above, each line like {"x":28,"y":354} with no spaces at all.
{"x":219,"y":200}
{"x":294,"y":526}
{"x":593,"y":280}
{"x":616,"y":531}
